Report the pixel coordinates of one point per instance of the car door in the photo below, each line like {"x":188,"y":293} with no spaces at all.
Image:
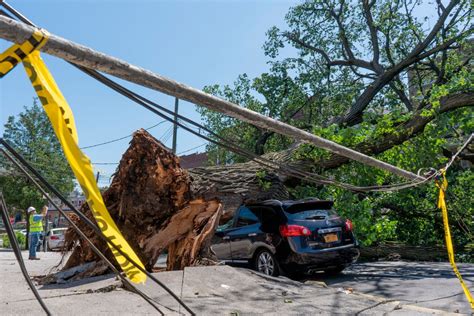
{"x":220,"y":244}
{"x":244,"y":233}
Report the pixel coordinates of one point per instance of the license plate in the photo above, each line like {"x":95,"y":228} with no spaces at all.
{"x":330,"y":237}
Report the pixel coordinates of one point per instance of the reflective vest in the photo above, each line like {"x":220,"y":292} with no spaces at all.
{"x":35,"y":227}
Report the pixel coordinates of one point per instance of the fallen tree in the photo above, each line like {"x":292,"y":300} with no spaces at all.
{"x":151,"y":201}
{"x":180,"y":211}
{"x":239,"y":183}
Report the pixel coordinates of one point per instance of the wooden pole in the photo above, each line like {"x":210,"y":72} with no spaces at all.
{"x":175,"y":125}
{"x":18,"y":32}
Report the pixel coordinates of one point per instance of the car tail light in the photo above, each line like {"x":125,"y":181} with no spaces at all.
{"x":294,"y":231}
{"x":54,"y":237}
{"x":349,"y":225}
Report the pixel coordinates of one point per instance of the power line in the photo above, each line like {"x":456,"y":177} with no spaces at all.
{"x":121,"y":138}
{"x":467,"y":142}
{"x":191,"y":149}
{"x":165,"y":139}
{"x":180,"y":153}
{"x":166,"y":135}
{"x":153,"y":107}
{"x":84,"y":56}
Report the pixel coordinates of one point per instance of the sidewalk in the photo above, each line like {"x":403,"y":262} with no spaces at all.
{"x":216,"y":290}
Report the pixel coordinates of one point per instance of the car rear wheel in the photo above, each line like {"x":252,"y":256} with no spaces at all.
{"x":266,"y":263}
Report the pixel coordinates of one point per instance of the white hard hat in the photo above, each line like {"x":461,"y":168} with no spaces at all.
{"x":31,"y":209}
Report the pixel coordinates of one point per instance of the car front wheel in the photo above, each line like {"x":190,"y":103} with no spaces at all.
{"x":335,"y":270}
{"x":265,"y":263}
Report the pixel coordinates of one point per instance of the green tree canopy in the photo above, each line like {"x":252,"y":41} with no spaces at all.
{"x":31,"y":134}
{"x":379,"y":77}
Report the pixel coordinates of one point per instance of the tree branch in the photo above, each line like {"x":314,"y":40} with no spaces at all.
{"x":373,"y":34}
{"x":353,"y":116}
{"x":401,"y":94}
{"x":295,"y":38}
{"x":436,"y":28}
{"x":261,"y":141}
{"x":443,"y":46}
{"x":410,"y":20}
{"x":405,"y":130}
{"x":351,"y":59}
{"x":339,"y":62}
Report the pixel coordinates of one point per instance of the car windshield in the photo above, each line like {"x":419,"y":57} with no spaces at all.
{"x":311,"y":214}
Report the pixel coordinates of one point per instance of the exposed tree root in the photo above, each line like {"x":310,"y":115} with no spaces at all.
{"x":151,"y":201}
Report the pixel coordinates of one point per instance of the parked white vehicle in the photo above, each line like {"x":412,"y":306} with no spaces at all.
{"x":56,"y":238}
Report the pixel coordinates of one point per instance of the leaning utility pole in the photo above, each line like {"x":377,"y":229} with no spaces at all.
{"x":175,"y":125}
{"x":17,"y":32}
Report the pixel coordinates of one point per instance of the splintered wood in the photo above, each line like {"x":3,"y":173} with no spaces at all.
{"x":151,"y":201}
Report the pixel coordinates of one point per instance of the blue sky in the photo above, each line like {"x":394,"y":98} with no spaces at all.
{"x":194,"y":42}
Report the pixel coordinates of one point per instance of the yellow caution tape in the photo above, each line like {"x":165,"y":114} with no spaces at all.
{"x":62,"y":119}
{"x":17,"y":52}
{"x":443,"y":186}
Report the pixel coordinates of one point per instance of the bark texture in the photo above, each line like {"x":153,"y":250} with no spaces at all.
{"x":151,"y":201}
{"x":238,"y":183}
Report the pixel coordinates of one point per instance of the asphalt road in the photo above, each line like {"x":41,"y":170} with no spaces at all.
{"x":426,"y":284}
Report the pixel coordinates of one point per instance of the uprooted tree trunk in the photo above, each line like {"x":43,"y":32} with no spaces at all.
{"x":151,"y":201}
{"x":236,"y":184}
{"x":196,"y":223}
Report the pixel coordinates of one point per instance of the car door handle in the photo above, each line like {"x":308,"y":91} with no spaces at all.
{"x":252,"y":234}
{"x":225,"y":238}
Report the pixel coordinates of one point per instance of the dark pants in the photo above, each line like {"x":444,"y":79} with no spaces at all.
{"x":34,"y":238}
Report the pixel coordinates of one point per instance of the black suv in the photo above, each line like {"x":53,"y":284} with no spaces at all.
{"x":293,"y":236}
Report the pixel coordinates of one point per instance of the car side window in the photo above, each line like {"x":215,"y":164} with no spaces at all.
{"x":225,"y":226}
{"x":246,"y":217}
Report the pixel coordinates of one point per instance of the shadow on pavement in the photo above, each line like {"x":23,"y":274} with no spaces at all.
{"x":70,"y":284}
{"x":425,"y":284}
